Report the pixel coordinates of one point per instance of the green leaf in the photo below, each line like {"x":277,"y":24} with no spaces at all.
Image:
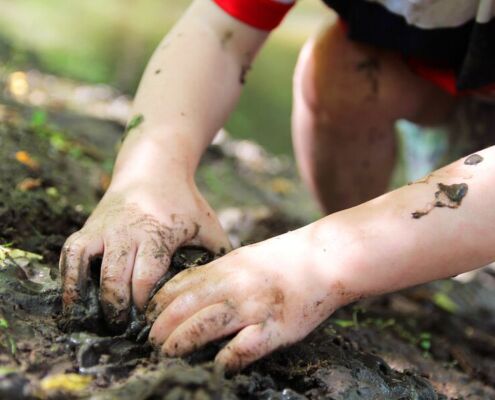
{"x":6,"y":371}
{"x":76,"y":152}
{"x":38,"y":118}
{"x":4,"y":323}
{"x":134,"y":122}
{"x":425,"y":344}
{"x":12,"y":345}
{"x":344,"y":323}
{"x":444,"y":302}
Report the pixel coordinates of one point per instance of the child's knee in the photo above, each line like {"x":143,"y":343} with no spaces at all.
{"x":328,"y":82}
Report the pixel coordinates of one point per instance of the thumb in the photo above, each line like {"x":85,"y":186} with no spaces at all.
{"x":212,"y":237}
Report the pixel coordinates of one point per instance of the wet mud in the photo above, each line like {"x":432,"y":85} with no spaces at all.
{"x":431,"y":342}
{"x":371,"y":68}
{"x":86,"y":313}
{"x":244,"y":73}
{"x":473,"y":159}
{"x":449,"y":196}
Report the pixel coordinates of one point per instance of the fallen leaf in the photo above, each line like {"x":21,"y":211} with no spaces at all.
{"x":65,"y":383}
{"x":29,"y":184}
{"x":282,"y":186}
{"x":25,"y":158}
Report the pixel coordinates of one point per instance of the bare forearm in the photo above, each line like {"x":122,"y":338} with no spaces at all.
{"x":190,"y":86}
{"x":404,"y":237}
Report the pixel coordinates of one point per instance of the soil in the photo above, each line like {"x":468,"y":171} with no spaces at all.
{"x":431,"y":342}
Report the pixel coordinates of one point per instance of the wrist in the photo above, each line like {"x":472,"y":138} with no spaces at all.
{"x":151,"y":160}
{"x":338,"y":257}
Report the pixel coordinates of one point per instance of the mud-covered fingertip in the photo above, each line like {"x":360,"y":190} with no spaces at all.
{"x":70,"y":295}
{"x":169,"y":349}
{"x":157,"y":346}
{"x":224,"y":360}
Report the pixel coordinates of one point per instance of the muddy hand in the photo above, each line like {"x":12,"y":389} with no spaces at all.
{"x":269,"y":294}
{"x":136,"y":232}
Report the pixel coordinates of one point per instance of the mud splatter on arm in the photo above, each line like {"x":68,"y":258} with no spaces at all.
{"x":226,"y":38}
{"x":244,"y":71}
{"x":449,"y":196}
{"x":473,"y":159}
{"x":419,"y":233}
{"x":371,"y":68}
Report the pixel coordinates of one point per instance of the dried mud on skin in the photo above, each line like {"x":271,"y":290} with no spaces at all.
{"x":449,"y":196}
{"x":473,"y":159}
{"x":402,"y":346}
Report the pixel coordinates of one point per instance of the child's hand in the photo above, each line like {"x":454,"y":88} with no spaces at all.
{"x":136,"y":230}
{"x":272,"y":293}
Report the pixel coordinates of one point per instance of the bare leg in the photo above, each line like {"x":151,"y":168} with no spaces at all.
{"x":347,"y":97}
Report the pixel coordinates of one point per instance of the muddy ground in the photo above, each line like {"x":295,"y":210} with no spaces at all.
{"x":432,"y":342}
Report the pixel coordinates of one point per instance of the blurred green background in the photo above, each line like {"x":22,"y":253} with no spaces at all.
{"x":110,"y":42}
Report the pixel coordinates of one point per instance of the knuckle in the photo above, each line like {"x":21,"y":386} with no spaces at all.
{"x":243,"y":281}
{"x":174,"y":312}
{"x":73,"y":248}
{"x":74,"y":238}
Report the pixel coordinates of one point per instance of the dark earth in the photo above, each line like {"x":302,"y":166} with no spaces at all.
{"x":435,"y":341}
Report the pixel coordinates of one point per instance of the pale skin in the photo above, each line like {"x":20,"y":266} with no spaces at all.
{"x":275,"y":292}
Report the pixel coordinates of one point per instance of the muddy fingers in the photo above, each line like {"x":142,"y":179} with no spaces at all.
{"x":209,"y":324}
{"x":148,"y":270}
{"x":142,"y":230}
{"x":181,"y":308}
{"x":79,"y":292}
{"x":192,"y":277}
{"x":250,"y":344}
{"x":74,"y":265}
{"x":154,"y":256}
{"x":115,"y":288}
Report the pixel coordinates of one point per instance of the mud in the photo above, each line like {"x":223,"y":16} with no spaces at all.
{"x":244,"y":72}
{"x":86,"y":314}
{"x":453,"y":193}
{"x":473,"y":159}
{"x":226,"y":38}
{"x":449,"y":196}
{"x":371,"y":68}
{"x":37,"y":220}
{"x":431,"y":342}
